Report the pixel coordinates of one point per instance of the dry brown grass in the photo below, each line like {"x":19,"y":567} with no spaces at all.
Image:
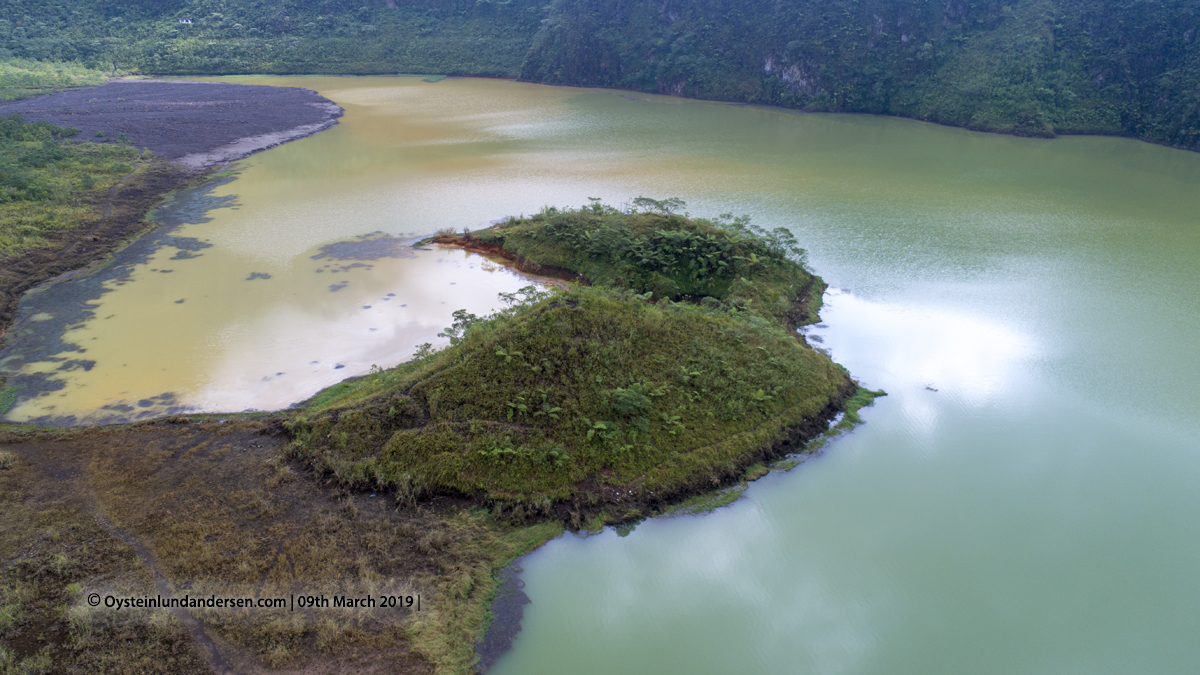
{"x":205,"y":508}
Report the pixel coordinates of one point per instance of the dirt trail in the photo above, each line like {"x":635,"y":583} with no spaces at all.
{"x":69,"y":478}
{"x":112,"y":192}
{"x":220,"y":665}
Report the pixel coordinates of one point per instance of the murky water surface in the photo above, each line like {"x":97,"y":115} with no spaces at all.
{"x":1023,"y":501}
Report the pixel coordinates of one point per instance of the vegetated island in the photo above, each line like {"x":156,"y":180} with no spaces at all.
{"x":672,"y":368}
{"x":666,"y":378}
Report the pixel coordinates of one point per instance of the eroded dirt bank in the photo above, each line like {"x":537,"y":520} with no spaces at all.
{"x":470,"y":243}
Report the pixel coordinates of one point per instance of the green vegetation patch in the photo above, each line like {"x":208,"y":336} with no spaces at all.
{"x":23,"y":78}
{"x":48,"y":185}
{"x":8,"y":398}
{"x":710,"y":501}
{"x":651,"y":250}
{"x":601,"y":393}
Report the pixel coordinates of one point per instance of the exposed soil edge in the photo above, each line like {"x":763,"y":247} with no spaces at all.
{"x":244,"y":147}
{"x":475,"y":245}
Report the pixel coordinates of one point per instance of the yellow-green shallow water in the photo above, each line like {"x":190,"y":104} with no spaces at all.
{"x":1023,"y":501}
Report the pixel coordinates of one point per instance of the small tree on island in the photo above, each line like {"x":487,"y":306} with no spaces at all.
{"x":666,"y":206}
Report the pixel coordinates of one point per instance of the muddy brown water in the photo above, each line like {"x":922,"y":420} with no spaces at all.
{"x":244,"y":298}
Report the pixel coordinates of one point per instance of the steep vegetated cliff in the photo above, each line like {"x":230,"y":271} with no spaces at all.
{"x":203,"y":37}
{"x":1036,"y":67}
{"x":1028,"y":67}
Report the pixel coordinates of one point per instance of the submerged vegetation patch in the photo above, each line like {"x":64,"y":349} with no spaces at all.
{"x":366,"y":247}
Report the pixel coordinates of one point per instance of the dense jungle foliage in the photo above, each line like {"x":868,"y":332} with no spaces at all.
{"x":1034,"y":67}
{"x":604,"y":393}
{"x":46,"y":184}
{"x":266,"y":36}
{"x":1030,"y":67}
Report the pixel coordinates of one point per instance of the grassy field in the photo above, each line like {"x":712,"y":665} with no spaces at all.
{"x":48,"y":186}
{"x":197,"y":508}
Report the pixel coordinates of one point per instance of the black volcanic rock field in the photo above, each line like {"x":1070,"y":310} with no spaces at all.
{"x":180,"y":118}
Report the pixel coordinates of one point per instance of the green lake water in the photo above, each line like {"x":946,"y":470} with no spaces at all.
{"x":1025,"y":500}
